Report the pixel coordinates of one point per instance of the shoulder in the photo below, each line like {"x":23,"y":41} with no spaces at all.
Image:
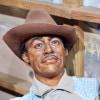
{"x":86,"y":87}
{"x":25,"y":97}
{"x":29,"y":96}
{"x":18,"y":98}
{"x":91,"y":82}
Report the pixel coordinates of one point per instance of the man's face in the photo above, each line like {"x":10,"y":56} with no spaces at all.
{"x":46,"y":55}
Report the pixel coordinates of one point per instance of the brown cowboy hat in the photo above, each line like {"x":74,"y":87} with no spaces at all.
{"x":37,"y":22}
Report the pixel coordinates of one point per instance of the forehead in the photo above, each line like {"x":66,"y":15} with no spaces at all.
{"x":41,"y":37}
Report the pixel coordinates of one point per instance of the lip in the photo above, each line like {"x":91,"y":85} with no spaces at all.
{"x":50,"y":59}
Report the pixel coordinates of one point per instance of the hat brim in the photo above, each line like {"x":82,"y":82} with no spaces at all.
{"x":17,"y":35}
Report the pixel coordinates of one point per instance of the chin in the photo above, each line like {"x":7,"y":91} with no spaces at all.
{"x":52,"y":68}
{"x":52,"y":71}
{"x":50,"y":75}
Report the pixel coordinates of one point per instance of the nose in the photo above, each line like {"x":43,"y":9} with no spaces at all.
{"x":48,"y":49}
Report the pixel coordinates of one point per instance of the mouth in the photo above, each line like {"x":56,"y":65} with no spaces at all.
{"x":50,"y":59}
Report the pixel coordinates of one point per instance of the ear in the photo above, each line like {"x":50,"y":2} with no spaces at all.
{"x":66,"y":52}
{"x":25,"y":57}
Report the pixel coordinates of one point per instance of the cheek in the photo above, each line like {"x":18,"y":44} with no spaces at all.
{"x":61,"y":52}
{"x":35,"y":61}
{"x":34,"y":57}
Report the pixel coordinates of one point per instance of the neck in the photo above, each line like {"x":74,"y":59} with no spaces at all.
{"x":50,"y":81}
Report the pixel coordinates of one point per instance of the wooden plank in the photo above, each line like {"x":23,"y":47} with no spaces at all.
{"x":72,"y":3}
{"x":88,"y":14}
{"x":79,"y":53}
{"x":75,"y":59}
{"x":14,"y":84}
{"x":53,"y":9}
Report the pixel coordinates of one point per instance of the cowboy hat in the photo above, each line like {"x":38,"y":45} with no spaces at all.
{"x":37,"y":22}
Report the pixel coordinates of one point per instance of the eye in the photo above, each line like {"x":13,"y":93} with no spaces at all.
{"x":39,"y":45}
{"x":55,"y":42}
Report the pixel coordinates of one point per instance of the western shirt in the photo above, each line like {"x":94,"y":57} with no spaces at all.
{"x":68,"y":88}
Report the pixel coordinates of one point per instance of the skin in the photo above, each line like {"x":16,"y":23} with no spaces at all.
{"x":46,"y":55}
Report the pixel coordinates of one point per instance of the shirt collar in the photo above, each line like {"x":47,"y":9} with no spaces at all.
{"x":66,"y":83}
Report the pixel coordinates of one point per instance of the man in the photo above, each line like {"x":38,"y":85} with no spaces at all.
{"x":44,"y":45}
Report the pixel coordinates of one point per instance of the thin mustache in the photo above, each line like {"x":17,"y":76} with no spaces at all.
{"x":50,"y":55}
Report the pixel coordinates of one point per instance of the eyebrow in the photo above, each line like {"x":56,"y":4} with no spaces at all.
{"x":40,"y":37}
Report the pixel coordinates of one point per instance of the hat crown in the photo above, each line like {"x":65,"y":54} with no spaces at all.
{"x":39,"y":16}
